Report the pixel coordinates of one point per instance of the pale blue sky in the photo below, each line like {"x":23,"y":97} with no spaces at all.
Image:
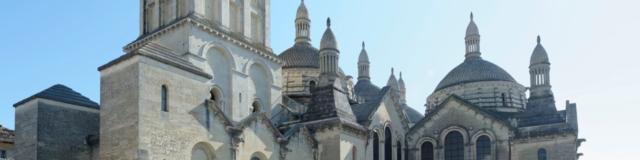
{"x":592,"y":45}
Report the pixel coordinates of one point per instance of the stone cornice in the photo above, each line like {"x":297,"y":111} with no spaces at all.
{"x":205,"y":26}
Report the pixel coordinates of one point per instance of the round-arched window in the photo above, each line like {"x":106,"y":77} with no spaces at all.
{"x":426,"y":151}
{"x":454,"y":146}
{"x":483,"y":148}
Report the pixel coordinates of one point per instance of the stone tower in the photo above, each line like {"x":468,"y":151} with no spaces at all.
{"x":329,"y":57}
{"x":192,"y":58}
{"x":303,"y":24}
{"x":541,"y":97}
{"x":363,"y":64}
{"x":472,"y":40}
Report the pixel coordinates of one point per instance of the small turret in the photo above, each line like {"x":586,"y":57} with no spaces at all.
{"x":303,"y":25}
{"x":363,"y":64}
{"x":472,"y":40}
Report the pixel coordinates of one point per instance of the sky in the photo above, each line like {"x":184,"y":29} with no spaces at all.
{"x":592,"y":45}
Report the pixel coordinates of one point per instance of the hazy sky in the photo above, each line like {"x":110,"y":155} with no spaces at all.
{"x":592,"y":45}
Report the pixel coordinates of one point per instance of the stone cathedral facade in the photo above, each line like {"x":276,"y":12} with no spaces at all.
{"x":201,"y":82}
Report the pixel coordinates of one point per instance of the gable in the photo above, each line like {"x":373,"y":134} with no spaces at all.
{"x":457,"y":112}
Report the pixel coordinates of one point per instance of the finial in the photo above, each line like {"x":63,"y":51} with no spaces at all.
{"x":362,"y":44}
{"x":392,"y":71}
{"x":401,"y":75}
{"x":302,"y":2}
{"x":538,"y":39}
{"x":471,"y":16}
{"x":328,"y":22}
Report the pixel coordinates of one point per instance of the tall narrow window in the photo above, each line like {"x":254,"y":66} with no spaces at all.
{"x":163,"y":102}
{"x":3,"y":154}
{"x":483,"y":148}
{"x":354,"y":153}
{"x":207,"y":115}
{"x":387,"y":144}
{"x":398,"y":151}
{"x":426,"y":151}
{"x":542,"y":154}
{"x":376,"y":146}
{"x":454,"y":146}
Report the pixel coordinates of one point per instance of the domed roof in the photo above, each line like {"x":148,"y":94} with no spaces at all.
{"x":363,"y":57}
{"x":539,"y":55}
{"x":302,"y":11}
{"x":366,"y":89}
{"x":328,"y":39}
{"x":474,"y":70}
{"x":472,"y":28}
{"x":301,"y":55}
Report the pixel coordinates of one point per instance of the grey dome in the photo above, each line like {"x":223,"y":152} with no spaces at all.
{"x":363,"y":57}
{"x":302,"y":11}
{"x":539,"y":55}
{"x":301,"y":55}
{"x":328,"y":40}
{"x":366,"y":90}
{"x":472,"y":28}
{"x":474,"y":70}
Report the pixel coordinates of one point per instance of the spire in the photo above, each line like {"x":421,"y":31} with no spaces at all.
{"x":539,"y":69}
{"x":472,"y":39}
{"x":403,"y":90}
{"x":392,"y":82}
{"x":329,"y":56}
{"x":328,"y":22}
{"x":303,"y":25}
{"x":363,"y":64}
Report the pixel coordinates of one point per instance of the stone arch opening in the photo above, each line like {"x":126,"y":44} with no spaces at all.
{"x":202,"y":151}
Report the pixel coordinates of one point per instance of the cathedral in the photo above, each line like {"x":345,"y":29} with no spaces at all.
{"x":201,"y":82}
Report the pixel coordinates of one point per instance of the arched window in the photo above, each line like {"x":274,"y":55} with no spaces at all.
{"x":426,"y":151}
{"x":255,"y":107}
{"x":483,"y":148}
{"x":542,"y":154}
{"x":398,"y":151}
{"x":202,"y":151}
{"x":454,"y":146}
{"x":164,"y":105}
{"x":376,"y":146}
{"x":387,"y":144}
{"x":354,"y":153}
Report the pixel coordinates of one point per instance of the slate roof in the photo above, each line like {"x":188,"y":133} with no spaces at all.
{"x":412,"y":115}
{"x":366,"y":89}
{"x":364,"y":110}
{"x":64,"y":94}
{"x":301,"y":55}
{"x":474,"y":70}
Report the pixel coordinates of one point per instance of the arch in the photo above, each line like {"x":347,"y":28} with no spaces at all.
{"x":215,"y":94}
{"x":164,"y":98}
{"x":255,"y":106}
{"x":426,"y":151}
{"x":456,"y":128}
{"x":258,"y":156}
{"x":202,"y":151}
{"x":454,"y":146}
{"x":261,"y":78}
{"x":483,"y":148}
{"x":221,"y":64}
{"x":376,"y":146}
{"x":387,"y":144}
{"x":398,"y":150}
{"x":542,"y":154}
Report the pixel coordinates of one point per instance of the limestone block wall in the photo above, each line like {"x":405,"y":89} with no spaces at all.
{"x":173,"y":134}
{"x":119,"y":114}
{"x":299,"y":147}
{"x":471,"y":124}
{"x":388,"y":115}
{"x":298,"y":80}
{"x":26,"y":131}
{"x":498,"y":95}
{"x":562,"y":146}
{"x":48,"y":129}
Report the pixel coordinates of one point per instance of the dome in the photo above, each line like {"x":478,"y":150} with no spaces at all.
{"x":366,"y":90}
{"x":472,"y":28}
{"x":474,"y":70}
{"x":539,"y":55}
{"x":328,"y":39}
{"x":301,"y":55}
{"x":302,"y":11}
{"x":363,"y":57}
